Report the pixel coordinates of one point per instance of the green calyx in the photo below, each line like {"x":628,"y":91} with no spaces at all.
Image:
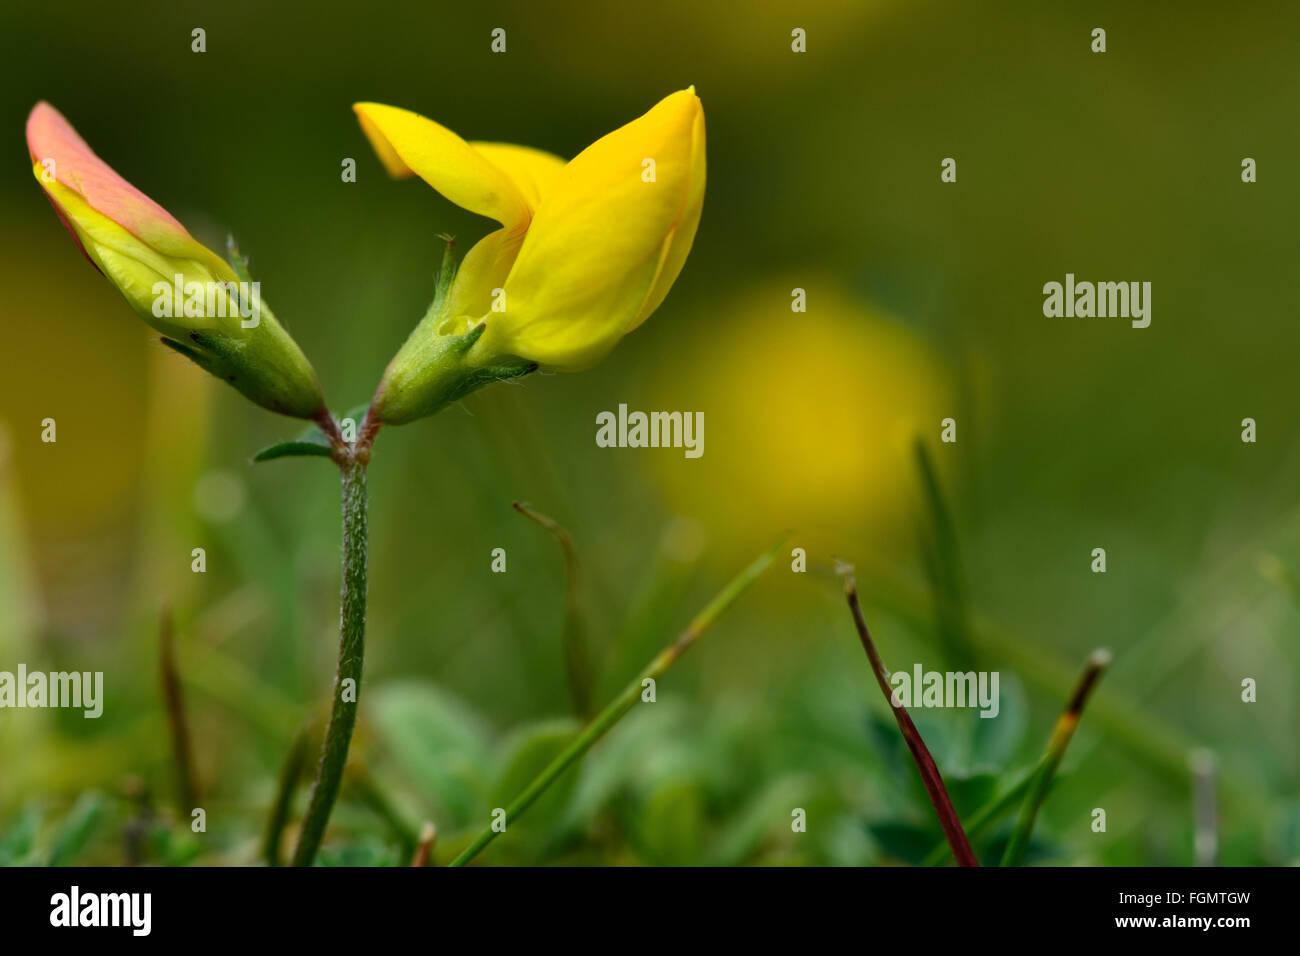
{"x":264,"y":364}
{"x":437,"y":366}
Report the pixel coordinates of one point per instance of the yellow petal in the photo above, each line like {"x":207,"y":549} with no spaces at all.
{"x":74,"y":165}
{"x":486,"y":266}
{"x":605,"y":244}
{"x":534,"y":171}
{"x":406,"y":141}
{"x":77,"y":171}
{"x":480,"y":274}
{"x":132,"y":265}
{"x":678,"y":245}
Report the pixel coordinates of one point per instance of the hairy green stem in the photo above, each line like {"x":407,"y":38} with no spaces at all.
{"x":347,"y":681}
{"x":624,"y":702}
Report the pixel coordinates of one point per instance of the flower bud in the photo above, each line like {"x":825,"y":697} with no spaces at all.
{"x":184,"y":290}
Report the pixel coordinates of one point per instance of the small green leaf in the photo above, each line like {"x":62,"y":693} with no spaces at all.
{"x":311,"y":442}
{"x":293,"y":449}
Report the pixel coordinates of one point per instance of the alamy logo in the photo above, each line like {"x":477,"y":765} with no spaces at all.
{"x":208,"y":300}
{"x":1124,"y":300}
{"x":133,"y":910}
{"x":922,"y":688}
{"x":653,"y":430}
{"x":55,"y":689}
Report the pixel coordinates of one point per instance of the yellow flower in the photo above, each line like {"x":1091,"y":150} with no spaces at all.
{"x":834,"y":455}
{"x":587,"y":249}
{"x":172,"y":281}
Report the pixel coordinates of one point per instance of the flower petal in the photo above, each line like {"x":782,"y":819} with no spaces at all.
{"x":603,"y":246}
{"x":75,"y":165}
{"x":483,"y":270}
{"x":407,"y":141}
{"x":131,"y":265}
{"x":534,"y":171}
{"x":679,"y":242}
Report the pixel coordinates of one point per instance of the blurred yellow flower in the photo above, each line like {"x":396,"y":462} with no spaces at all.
{"x":816,"y":433}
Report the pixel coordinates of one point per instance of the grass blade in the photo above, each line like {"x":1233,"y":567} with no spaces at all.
{"x":577,"y":657}
{"x":424,"y":849}
{"x":1041,"y":779}
{"x":187,"y":778}
{"x":930,"y":775}
{"x":985,"y":817}
{"x":290,"y":773}
{"x":943,"y":564}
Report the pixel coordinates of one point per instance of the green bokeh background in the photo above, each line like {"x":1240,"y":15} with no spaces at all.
{"x":823,"y":174}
